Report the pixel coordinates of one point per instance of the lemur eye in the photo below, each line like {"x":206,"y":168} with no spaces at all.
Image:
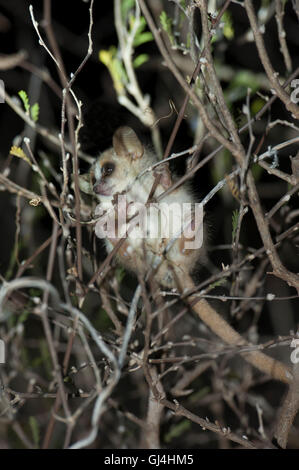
{"x":108,"y":168}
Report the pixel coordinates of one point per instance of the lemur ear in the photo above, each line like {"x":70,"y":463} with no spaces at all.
{"x":127,"y":144}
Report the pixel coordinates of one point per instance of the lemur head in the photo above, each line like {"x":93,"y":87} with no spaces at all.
{"x":114,"y":169}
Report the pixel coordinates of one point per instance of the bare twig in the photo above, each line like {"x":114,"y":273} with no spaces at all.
{"x":272,"y":75}
{"x":279,"y":8}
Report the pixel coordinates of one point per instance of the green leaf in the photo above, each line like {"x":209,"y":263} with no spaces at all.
{"x":18,"y":152}
{"x":228,"y":29}
{"x":143,"y":38}
{"x":126,"y":6}
{"x":221,"y":166}
{"x":44,"y":356}
{"x":34,"y":112}
{"x":23,"y":317}
{"x":245,"y":78}
{"x":141,"y":59}
{"x":235,"y":219}
{"x":257,"y":171}
{"x":34,"y":430}
{"x":214,"y":38}
{"x":118,"y":73}
{"x":120,"y":274}
{"x":257,"y":105}
{"x":188,"y":41}
{"x":166,"y":23}
{"x":218,"y":283}
{"x":115,"y":67}
{"x":177,"y":430}
{"x":142,"y":25}
{"x":102,"y":321}
{"x":239,"y":85}
{"x":24,"y":97}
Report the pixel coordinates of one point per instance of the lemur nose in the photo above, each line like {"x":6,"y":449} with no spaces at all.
{"x":97,"y":188}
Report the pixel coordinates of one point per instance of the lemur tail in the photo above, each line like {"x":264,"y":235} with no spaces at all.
{"x":274,"y":368}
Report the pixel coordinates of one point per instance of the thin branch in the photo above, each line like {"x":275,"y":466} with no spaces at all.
{"x":272,"y":75}
{"x":279,"y":8}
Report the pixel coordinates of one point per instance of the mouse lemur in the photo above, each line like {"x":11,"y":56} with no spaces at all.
{"x":161,"y":239}
{"x":166,"y":236}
